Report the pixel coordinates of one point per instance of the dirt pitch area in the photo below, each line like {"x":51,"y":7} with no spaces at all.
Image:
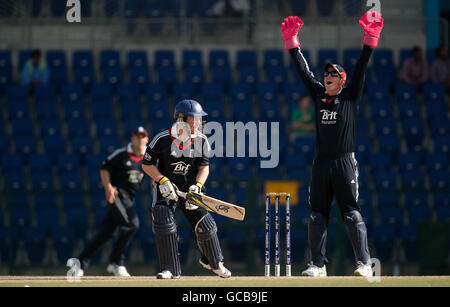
{"x":238,"y":281}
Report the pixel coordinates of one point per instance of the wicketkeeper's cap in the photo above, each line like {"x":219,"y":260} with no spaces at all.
{"x":139,"y":130}
{"x":337,"y":68}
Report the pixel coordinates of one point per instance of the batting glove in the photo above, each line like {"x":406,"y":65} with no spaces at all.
{"x":372,"y":26}
{"x":167,"y":189}
{"x":289,"y":29}
{"x":196,"y":188}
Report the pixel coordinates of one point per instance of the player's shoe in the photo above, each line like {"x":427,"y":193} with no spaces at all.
{"x":166,"y":274}
{"x":222,"y":271}
{"x":117,"y":270}
{"x":364,"y":270}
{"x":315,"y":271}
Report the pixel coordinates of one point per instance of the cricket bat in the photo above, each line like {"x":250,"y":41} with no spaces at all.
{"x":214,"y":205}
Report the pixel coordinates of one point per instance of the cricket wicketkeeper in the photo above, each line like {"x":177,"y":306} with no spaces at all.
{"x":335,"y":170}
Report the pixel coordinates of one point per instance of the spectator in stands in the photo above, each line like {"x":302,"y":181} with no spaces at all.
{"x":302,"y":118}
{"x":415,"y":69}
{"x":440,"y":68}
{"x":35,"y":71}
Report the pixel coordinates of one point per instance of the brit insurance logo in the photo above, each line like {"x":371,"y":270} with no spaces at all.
{"x":180,"y":168}
{"x":328,"y":117}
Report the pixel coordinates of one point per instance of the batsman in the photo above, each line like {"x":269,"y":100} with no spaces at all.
{"x":335,"y":170}
{"x":178,"y":158}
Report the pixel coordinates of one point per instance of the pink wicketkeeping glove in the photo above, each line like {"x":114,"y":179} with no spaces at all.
{"x":290,"y":28}
{"x":372,"y":28}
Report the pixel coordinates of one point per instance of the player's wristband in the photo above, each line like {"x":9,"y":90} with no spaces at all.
{"x":163,"y":179}
{"x":199,"y":184}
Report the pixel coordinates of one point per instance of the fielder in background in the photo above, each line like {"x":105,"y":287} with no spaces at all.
{"x":121,"y":175}
{"x":335,"y":170}
{"x":178,"y":159}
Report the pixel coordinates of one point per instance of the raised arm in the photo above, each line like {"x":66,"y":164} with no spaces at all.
{"x":372,"y":26}
{"x":289,"y":29}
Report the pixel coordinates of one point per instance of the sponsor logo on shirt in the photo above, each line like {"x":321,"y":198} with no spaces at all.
{"x":135,"y":176}
{"x":180,"y":168}
{"x":147,"y":157}
{"x":328,"y":117}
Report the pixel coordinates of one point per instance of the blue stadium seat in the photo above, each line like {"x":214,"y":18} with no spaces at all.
{"x":214,"y":107}
{"x":72,"y":93}
{"x":293,"y":92}
{"x":363,"y":148}
{"x":381,"y":160}
{"x":351,"y":57}
{"x":16,"y":93}
{"x":439,"y":127}
{"x":50,"y":127}
{"x":102,"y":110}
{"x":4,"y":144}
{"x":212,"y":91}
{"x":45,"y":93}
{"x":409,"y":109}
{"x":128,"y":93}
{"x":67,"y":162}
{"x":221,"y":75}
{"x":22,"y":127}
{"x":413,"y":181}
{"x":385,"y":181}
{"x":85,"y":76}
{"x":76,"y":218}
{"x":249,"y":75}
{"x":78,"y":127}
{"x":105,"y":127}
{"x":40,"y":162}
{"x":439,"y":181}
{"x":57,"y":63}
{"x":164,"y":58}
{"x":82,"y":59}
{"x":381,"y":109}
{"x":131,"y":110}
{"x":307,"y":146}
{"x":267,"y":92}
{"x":406,"y":92}
{"x":195,"y":76}
{"x":441,"y":199}
{"x":183,"y":91}
{"x":441,"y":144}
{"x":437,"y":162}
{"x":108,"y":144}
{"x":5,"y":61}
{"x":47,"y":110}
{"x":82,"y":144}
{"x":156,"y":94}
{"x":246,"y":59}
{"x":25,"y":144}
{"x":277,"y":75}
{"x":240,"y":92}
{"x":192,"y":58}
{"x":383,"y":58}
{"x":218,"y":58}
{"x":54,"y":144}
{"x":100,"y":92}
{"x":421,"y":213}
{"x":137,"y":59}
{"x":390,"y":212}
{"x":19,"y":111}
{"x":378,"y":92}
{"x":433,"y":92}
{"x":273,"y":58}
{"x":167,"y":75}
{"x":389,"y":143}
{"x":415,"y":199}
{"x":140,"y":76}
{"x":409,"y":161}
{"x":112,"y":76}
{"x":443,"y":213}
{"x":242,"y":110}
{"x":109,"y":59}
{"x":20,"y":215}
{"x":414,"y":131}
{"x":386,"y":126}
